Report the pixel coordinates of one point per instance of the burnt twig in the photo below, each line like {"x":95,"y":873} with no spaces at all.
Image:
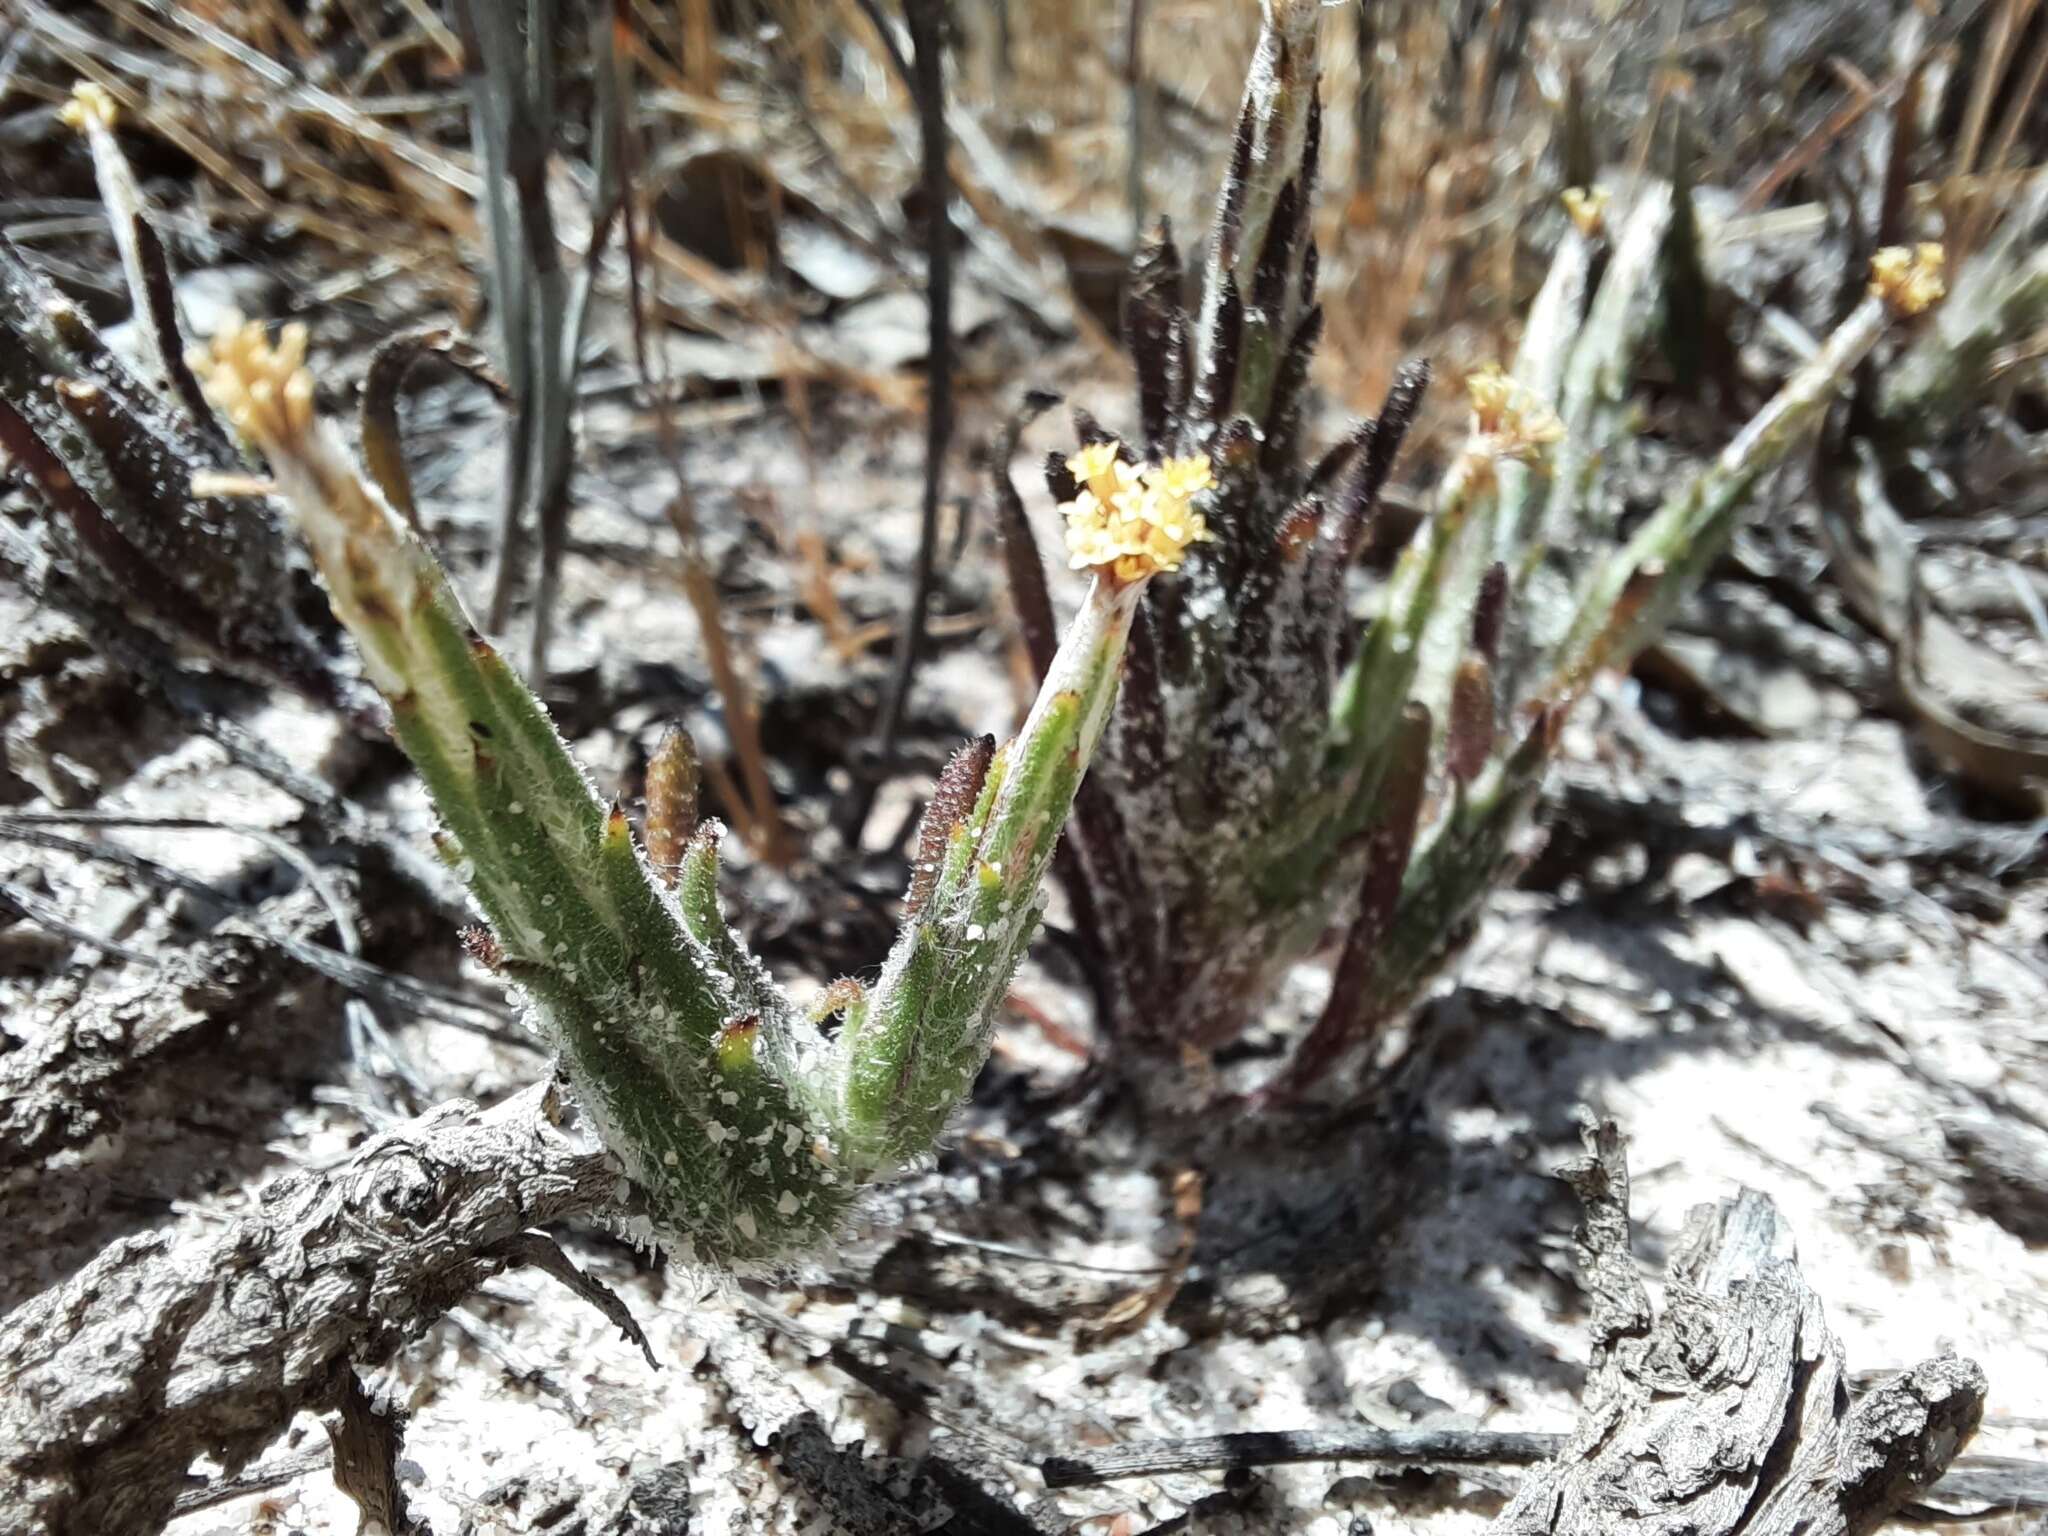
{"x":925,"y":74}
{"x":1205,"y":1453}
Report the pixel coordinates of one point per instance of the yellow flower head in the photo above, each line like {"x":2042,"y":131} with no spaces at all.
{"x":1509,"y":420}
{"x":1131,"y":523}
{"x":1909,"y":280}
{"x":1587,"y":207}
{"x":1185,"y":478}
{"x":1095,"y":465}
{"x":89,"y":107}
{"x":264,"y":391}
{"x":1491,"y":391}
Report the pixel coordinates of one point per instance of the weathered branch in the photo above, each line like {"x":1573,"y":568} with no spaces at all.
{"x":181,"y":1342}
{"x":74,"y":1081}
{"x":1728,"y":1414}
{"x":366,"y":1439}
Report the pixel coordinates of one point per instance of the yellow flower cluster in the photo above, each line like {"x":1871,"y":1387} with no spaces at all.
{"x":1130,"y":521}
{"x":1588,"y":209}
{"x":372,"y":568}
{"x":89,"y":107}
{"x":264,"y":391}
{"x":1909,"y":279}
{"x":1509,"y":420}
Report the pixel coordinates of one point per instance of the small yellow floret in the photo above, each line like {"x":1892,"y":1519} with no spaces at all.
{"x":1588,"y":208}
{"x":265,"y":391}
{"x":1511,"y":420}
{"x":1094,"y":463}
{"x":1909,"y":280}
{"x":89,"y":107}
{"x":1490,"y":390}
{"x":1131,"y":523}
{"x":1185,"y":478}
